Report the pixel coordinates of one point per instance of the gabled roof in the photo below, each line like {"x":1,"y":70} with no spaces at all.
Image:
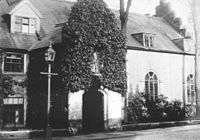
{"x":57,"y":11}
{"x":22,"y":2}
{"x":52,"y":11}
{"x":164,"y":33}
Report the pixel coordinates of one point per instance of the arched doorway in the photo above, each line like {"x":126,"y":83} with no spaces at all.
{"x":93,"y":111}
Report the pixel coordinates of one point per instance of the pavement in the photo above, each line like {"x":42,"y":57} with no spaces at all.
{"x":191,"y":132}
{"x":158,"y":128}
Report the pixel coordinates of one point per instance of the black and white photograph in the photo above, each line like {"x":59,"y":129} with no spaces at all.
{"x":99,"y":69}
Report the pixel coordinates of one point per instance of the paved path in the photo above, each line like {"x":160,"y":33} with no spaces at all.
{"x":172,"y":133}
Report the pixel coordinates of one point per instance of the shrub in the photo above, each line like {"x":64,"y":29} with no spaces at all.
{"x":156,"y":108}
{"x":175,"y":111}
{"x":137,"y":111}
{"x":141,"y":109}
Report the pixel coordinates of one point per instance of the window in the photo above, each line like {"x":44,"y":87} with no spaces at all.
{"x":14,"y":62}
{"x":148,"y":40}
{"x":190,"y":89}
{"x":25,"y":25}
{"x":151,"y":41}
{"x":151,"y":86}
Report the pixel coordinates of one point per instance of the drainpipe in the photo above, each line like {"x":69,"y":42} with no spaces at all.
{"x":183,"y":79}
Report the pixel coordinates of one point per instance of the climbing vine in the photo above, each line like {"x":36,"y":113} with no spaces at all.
{"x":92,"y":27}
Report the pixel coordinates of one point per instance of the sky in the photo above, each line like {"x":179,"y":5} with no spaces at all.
{"x":180,"y":7}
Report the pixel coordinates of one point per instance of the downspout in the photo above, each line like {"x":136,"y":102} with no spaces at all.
{"x":183,"y":80}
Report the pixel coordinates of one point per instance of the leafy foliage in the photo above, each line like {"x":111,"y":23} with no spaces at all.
{"x":92,"y":27}
{"x":143,"y":110}
{"x":6,"y":86}
{"x":164,"y":10}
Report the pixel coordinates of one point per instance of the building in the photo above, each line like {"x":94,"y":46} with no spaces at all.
{"x":159,"y":61}
{"x":24,"y":22}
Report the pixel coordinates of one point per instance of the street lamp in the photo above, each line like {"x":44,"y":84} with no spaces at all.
{"x":49,"y":58}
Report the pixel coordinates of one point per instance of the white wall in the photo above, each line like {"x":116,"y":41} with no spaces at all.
{"x":167,"y":66}
{"x":75,"y":105}
{"x":113,"y":105}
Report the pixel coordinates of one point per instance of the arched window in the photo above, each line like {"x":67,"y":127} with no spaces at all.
{"x":190,"y":89}
{"x":151,"y":86}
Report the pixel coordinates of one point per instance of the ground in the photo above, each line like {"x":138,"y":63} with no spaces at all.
{"x":171,"y":133}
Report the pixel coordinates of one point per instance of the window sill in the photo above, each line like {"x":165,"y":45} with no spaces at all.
{"x":14,"y":73}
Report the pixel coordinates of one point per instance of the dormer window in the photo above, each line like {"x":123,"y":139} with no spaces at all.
{"x":25,"y":25}
{"x":146,"y":39}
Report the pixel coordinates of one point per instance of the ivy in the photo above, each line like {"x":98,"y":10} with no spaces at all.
{"x":92,"y":27}
{"x":6,"y":87}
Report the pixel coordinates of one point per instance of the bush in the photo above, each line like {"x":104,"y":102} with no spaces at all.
{"x":156,"y":108}
{"x":136,"y":108}
{"x":141,"y":109}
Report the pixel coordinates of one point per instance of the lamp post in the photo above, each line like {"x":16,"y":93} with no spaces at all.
{"x":49,"y":58}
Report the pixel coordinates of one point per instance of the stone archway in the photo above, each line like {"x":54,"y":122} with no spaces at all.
{"x":93,"y":111}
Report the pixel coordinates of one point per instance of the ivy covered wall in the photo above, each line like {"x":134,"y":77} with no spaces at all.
{"x":92,"y":28}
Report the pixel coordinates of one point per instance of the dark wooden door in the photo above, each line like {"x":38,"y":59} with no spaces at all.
{"x":93,"y":111}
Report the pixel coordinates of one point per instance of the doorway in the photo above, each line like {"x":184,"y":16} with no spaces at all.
{"x":93,"y":111}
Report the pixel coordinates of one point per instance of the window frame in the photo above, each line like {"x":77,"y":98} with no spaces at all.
{"x":191,"y":95}
{"x":151,"y":85}
{"x":148,"y":40}
{"x":13,"y":72}
{"x":31,"y":22}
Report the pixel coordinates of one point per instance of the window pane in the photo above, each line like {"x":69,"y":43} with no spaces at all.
{"x":14,"y":63}
{"x":156,"y":89}
{"x":151,"y":85}
{"x":18,"y":20}
{"x":24,"y":28}
{"x":25,"y":21}
{"x":146,"y":41}
{"x":18,"y":24}
{"x":151,"y":90}
{"x":151,"y":41}
{"x":193,"y":97}
{"x":146,"y":87}
{"x":33,"y":25}
{"x":190,"y":89}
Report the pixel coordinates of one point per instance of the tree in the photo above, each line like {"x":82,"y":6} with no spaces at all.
{"x":195,"y":8}
{"x":124,"y":14}
{"x":92,"y":29}
{"x":164,"y":10}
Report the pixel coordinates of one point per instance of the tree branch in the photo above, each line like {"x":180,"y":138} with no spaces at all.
{"x":129,"y":2}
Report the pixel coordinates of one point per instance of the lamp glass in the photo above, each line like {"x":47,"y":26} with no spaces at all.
{"x":50,"y":54}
